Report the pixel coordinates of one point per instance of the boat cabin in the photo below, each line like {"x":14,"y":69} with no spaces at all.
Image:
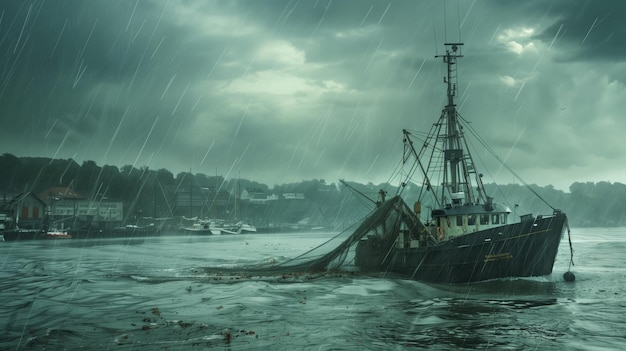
{"x":453,"y":221}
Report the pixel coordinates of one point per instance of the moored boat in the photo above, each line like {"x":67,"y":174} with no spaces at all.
{"x":56,"y":233}
{"x":246,"y":227}
{"x":203,"y":227}
{"x":241,"y":227}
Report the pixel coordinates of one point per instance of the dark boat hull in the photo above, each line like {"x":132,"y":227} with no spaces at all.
{"x":523,"y":249}
{"x":18,"y":235}
{"x":119,"y":232}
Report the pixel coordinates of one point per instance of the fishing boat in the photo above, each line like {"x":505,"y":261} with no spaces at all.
{"x":466,"y":236}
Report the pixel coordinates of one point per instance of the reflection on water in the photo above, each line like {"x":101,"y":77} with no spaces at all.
{"x":149,"y":294}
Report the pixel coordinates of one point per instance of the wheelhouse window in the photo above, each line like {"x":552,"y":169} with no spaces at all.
{"x":484,"y":219}
{"x":495,"y":219}
{"x":459,"y":221}
{"x":471,"y":219}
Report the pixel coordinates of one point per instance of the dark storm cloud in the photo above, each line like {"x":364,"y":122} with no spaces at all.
{"x":289,"y":90}
{"x":62,"y":53}
{"x":592,"y":30}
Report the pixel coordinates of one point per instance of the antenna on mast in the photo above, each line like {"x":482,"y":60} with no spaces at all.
{"x":458,"y":18}
{"x":445,"y":23}
{"x":435,"y":36}
{"x":453,"y":52}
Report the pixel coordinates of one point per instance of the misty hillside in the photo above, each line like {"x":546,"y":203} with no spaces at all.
{"x":322,"y":203}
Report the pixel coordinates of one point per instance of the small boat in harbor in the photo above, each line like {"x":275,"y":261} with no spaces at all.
{"x":466,"y":236}
{"x":240,"y":227}
{"x":56,"y":233}
{"x":203,"y":227}
{"x":246,"y":227}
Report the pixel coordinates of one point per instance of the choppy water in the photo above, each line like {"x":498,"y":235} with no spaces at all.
{"x":146,"y":294}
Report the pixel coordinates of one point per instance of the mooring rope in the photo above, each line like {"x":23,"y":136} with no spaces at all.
{"x":571,"y":248}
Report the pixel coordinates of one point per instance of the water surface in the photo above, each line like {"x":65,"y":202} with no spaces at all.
{"x":150,"y":294}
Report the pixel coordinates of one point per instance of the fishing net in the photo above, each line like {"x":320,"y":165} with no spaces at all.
{"x":347,"y":251}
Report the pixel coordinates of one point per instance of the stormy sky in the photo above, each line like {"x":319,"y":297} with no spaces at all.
{"x":285,"y":91}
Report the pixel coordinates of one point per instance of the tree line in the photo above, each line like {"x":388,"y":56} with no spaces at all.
{"x":151,"y":192}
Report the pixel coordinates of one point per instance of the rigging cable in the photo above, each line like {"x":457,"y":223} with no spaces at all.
{"x":363,"y":196}
{"x":571,"y":248}
{"x":501,"y":161}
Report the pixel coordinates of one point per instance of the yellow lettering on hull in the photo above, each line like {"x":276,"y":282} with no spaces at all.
{"x":502,"y":256}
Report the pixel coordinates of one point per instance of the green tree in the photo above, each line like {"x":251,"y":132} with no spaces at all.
{"x":9,"y":168}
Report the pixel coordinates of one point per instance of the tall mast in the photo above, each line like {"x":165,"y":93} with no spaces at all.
{"x":455,"y":177}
